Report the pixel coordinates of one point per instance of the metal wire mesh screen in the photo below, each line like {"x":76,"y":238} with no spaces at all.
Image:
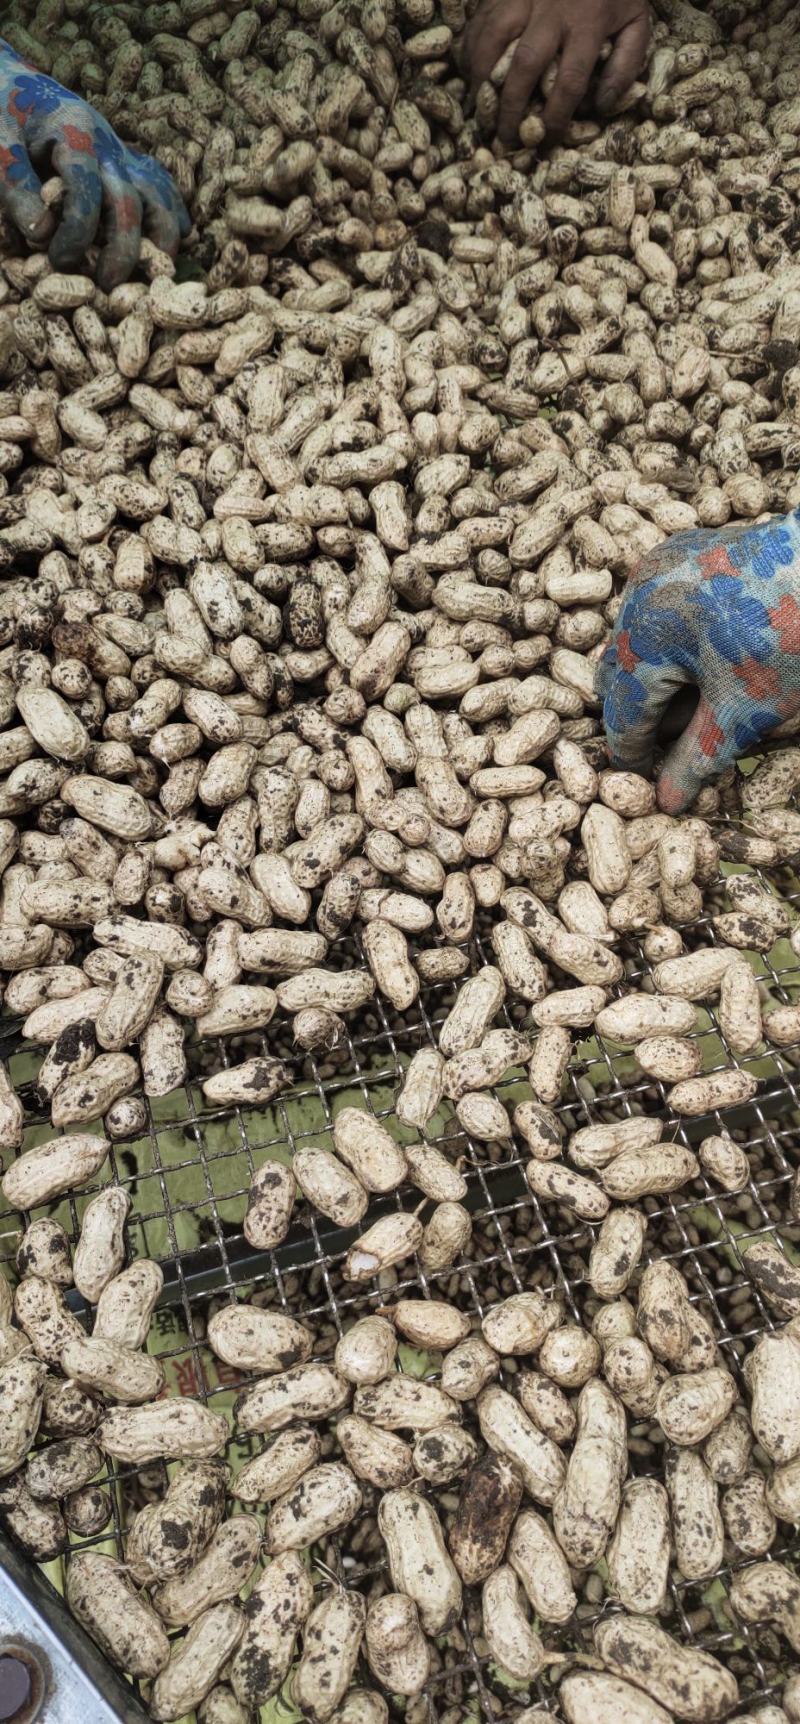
{"x":188,"y":1177}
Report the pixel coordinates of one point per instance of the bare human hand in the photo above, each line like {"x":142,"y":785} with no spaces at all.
{"x":572,"y":30}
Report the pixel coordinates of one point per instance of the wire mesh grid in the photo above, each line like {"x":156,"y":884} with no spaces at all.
{"x":188,"y":1177}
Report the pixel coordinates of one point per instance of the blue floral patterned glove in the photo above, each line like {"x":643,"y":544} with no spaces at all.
{"x":41,"y":121}
{"x":719,"y":609}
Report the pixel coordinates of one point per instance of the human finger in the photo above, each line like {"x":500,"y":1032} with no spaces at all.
{"x":534,"y":53}
{"x":704,"y":750}
{"x":21,"y":194}
{"x":166,"y":218}
{"x":75,"y":162}
{"x":577,"y":63}
{"x":123,"y":222}
{"x":624,"y":63}
{"x":488,"y":35}
{"x":635,"y":697}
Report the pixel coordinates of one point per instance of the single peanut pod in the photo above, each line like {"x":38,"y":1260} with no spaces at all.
{"x":100,"y":1251}
{"x":253,"y":1339}
{"x":513,"y":1643}
{"x":638,"y":1555}
{"x":325,"y":1500}
{"x":196,"y":1661}
{"x":490,"y":1497}
{"x":585,"y":1509}
{"x":690,"y":1405}
{"x":119,"y":1619}
{"x":400,"y":1403}
{"x":692,"y":1684}
{"x":308,"y":1391}
{"x":616,"y":1251}
{"x":540,"y":1566}
{"x":279,"y":1467}
{"x":378,"y":1456}
{"x":127,"y":1302}
{"x":219,"y":1573}
{"x":332,"y":1638}
{"x":270,"y":1202}
{"x":397,"y":1651}
{"x":419,"y":1563}
{"x":366,"y":1352}
{"x":108,"y":1369}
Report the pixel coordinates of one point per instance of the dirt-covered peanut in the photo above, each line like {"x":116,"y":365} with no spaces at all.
{"x":87,"y":1511}
{"x":488,"y":1502}
{"x":662,"y":1168}
{"x":42,"y":1312}
{"x":397,"y":1650}
{"x":274,"y":1614}
{"x":594,"y":1146}
{"x":519,"y":1324}
{"x":768,"y":1592}
{"x":446,"y":1235}
{"x":332,"y":1639}
{"x":697,"y":1529}
{"x":747,"y":1514}
{"x":196,"y":1661}
{"x":62,"y":1467}
{"x":167,"y":1537}
{"x":724,"y":1161}
{"x":270,"y":1202}
{"x":254,"y":1339}
{"x":100,"y":1251}
{"x":366,"y":1351}
{"x":44,"y":1251}
{"x":692,"y":1685}
{"x":45,"y":1172}
{"x":547,"y":1405}
{"x":279,"y":1466}
{"x":21,"y":1393}
{"x":616,"y":1252}
{"x":323,"y":1501}
{"x":639,"y":1552}
{"x":330,"y":1186}
{"x":120,"y":1620}
{"x":401,"y":1402}
{"x":127,"y":1302}
{"x":432,"y":1173}
{"x":509,"y":1431}
{"x":691,"y":1404}
{"x":389,"y":1240}
{"x":775,"y":1277}
{"x":468,"y":1367}
{"x":108,"y":1369}
{"x":553,"y":1181}
{"x":376,"y":1455}
{"x":540,"y":1566}
{"x":429,"y":1323}
{"x":421,"y":1089}
{"x":179,"y":1430}
{"x":418,"y":1560}
{"x":597,"y":1697}
{"x":367,"y":1148}
{"x":727,"y":1451}
{"x":511,"y":1638}
{"x":364,"y":1705}
{"x":569,"y":1355}
{"x":774,"y":1384}
{"x":586,"y":1507}
{"x":440,"y":1456}
{"x":541,"y":1129}
{"x":308,"y":1391}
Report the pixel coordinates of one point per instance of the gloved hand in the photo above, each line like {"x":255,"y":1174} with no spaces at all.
{"x":720,"y":609}
{"x":574,"y":30}
{"x":40,"y":120}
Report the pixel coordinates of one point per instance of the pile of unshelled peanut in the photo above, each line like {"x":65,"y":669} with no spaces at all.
{"x":307,"y":561}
